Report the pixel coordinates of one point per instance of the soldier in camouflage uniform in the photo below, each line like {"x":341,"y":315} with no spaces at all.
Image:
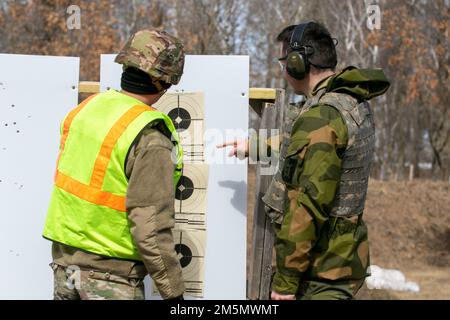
{"x":152,"y":61}
{"x":321,"y":243}
{"x":316,"y":198}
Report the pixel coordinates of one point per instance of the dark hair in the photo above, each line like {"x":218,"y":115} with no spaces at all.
{"x":137,"y":81}
{"x":318,"y":37}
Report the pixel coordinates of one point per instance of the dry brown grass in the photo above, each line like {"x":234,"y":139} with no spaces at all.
{"x":409,"y":230}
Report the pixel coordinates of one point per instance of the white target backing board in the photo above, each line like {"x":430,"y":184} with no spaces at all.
{"x":223,"y":82}
{"x":36,"y":92}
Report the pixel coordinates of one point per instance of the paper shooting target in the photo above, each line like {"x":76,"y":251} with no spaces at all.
{"x":190,"y":193}
{"x":186,"y":110}
{"x":190,"y":249}
{"x":189,"y":245}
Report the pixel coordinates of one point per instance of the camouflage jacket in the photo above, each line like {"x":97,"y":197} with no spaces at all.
{"x":310,"y":244}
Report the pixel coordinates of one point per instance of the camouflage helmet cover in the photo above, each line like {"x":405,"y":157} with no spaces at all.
{"x":156,"y":53}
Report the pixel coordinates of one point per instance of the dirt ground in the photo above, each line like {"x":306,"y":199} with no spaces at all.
{"x":409,"y":230}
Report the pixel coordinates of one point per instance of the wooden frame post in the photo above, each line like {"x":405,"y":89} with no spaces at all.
{"x":263,"y":234}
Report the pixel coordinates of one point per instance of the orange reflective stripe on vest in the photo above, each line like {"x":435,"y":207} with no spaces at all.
{"x":101,"y":163}
{"x":89,"y":193}
{"x":93,"y":192}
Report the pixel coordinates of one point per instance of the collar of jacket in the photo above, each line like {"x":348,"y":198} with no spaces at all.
{"x":321,"y":84}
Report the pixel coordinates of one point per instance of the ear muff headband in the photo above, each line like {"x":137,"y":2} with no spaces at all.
{"x":297,"y":36}
{"x":297,"y":64}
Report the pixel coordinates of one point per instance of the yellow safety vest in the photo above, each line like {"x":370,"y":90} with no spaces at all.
{"x":87,"y":207}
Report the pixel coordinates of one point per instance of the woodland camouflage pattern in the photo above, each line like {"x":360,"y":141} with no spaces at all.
{"x":320,"y":255}
{"x":275,"y":198}
{"x":156,"y":53}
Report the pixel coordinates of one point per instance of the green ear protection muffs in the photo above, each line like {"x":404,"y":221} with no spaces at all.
{"x":297,"y":63}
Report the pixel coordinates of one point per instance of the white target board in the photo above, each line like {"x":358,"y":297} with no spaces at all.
{"x":36,"y":92}
{"x":208,"y":106}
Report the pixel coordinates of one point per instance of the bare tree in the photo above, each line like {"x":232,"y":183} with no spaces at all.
{"x":411,"y":46}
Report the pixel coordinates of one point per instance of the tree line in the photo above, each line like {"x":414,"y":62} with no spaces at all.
{"x":409,"y":42}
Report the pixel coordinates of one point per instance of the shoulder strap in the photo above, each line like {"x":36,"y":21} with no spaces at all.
{"x":347,"y":107}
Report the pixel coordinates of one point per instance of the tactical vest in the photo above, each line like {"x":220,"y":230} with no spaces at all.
{"x":358,"y":155}
{"x":87,"y":208}
{"x":357,"y":158}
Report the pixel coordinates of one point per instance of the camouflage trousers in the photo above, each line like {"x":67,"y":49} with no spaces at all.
{"x":341,"y":290}
{"x":75,"y":284}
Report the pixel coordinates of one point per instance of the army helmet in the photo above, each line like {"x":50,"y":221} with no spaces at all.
{"x":155,"y":52}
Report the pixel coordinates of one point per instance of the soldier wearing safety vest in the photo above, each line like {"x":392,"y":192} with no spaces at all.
{"x":316,"y":198}
{"x":111,"y":212}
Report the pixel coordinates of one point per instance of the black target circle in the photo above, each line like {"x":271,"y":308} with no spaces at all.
{"x":185,"y":188}
{"x":186,"y":254}
{"x":181,"y":118}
